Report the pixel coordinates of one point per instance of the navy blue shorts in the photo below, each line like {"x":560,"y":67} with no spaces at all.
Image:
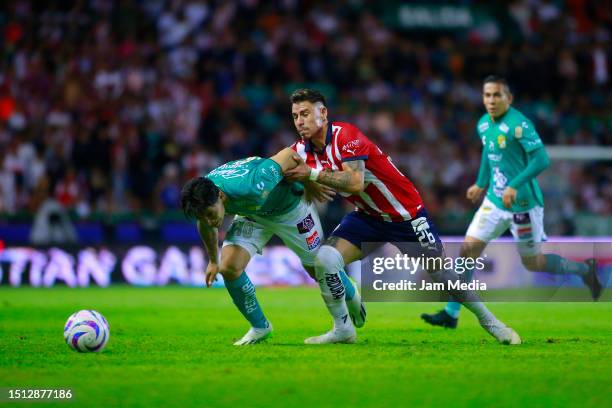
{"x":359,"y":228}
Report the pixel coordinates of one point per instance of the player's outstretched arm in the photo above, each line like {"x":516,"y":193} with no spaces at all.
{"x":349,"y":180}
{"x":287,"y":158}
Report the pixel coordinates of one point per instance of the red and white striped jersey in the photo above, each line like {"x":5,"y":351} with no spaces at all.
{"x":388,"y":194}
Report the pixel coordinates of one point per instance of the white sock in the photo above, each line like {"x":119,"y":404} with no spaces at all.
{"x":328,"y":264}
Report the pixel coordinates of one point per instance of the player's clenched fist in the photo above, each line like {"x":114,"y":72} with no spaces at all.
{"x":474,"y":193}
{"x":211,"y":273}
{"x":509,"y":197}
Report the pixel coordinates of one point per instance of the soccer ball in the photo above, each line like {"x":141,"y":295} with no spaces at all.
{"x":86,"y":330}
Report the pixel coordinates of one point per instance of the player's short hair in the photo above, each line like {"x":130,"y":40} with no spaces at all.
{"x":497,"y":79}
{"x":308,"y":95}
{"x":198,"y":194}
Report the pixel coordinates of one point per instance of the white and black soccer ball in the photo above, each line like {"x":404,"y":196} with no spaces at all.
{"x":86,"y":331}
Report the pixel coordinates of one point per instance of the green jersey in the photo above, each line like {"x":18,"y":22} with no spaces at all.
{"x":506,"y":143}
{"x":255,"y":186}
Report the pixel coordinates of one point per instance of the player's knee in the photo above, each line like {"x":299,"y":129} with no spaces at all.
{"x":328,"y":258}
{"x":230,"y":272}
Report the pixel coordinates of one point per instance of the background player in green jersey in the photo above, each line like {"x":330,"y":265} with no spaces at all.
{"x":512,"y":157}
{"x":265,"y":205}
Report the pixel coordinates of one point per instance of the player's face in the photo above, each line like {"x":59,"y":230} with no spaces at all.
{"x":496,"y":98}
{"x":308,"y":118}
{"x":213,"y":215}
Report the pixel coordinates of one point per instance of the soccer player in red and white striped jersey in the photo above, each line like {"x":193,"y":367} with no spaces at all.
{"x":388,"y":209}
{"x":388,"y":195}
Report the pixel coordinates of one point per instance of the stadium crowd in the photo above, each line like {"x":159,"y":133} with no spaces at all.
{"x":110,"y":106}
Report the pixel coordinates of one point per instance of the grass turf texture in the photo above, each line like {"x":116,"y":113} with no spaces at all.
{"x":173,"y":347}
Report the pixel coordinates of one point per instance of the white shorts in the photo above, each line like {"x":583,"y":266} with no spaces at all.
{"x":527,"y":228}
{"x":300,"y":230}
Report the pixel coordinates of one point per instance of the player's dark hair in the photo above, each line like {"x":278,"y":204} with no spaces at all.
{"x":198,"y":194}
{"x":308,"y":95}
{"x":497,"y":79}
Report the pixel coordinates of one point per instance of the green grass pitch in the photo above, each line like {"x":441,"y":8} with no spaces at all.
{"x":172,"y":347}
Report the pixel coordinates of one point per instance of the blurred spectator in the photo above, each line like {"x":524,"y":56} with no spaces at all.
{"x":119,"y":103}
{"x":52,"y":225}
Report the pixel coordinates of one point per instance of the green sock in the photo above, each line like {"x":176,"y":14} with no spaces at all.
{"x":242,"y":292}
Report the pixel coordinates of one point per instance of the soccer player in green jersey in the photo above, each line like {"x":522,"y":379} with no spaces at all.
{"x":265,"y":205}
{"x":512,"y":157}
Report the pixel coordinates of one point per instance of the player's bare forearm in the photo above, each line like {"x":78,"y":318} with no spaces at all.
{"x":210,"y":238}
{"x":349,"y":180}
{"x":287,"y":158}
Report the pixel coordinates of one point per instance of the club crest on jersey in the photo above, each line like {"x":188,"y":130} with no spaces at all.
{"x":504,"y":128}
{"x":501,"y":141}
{"x":313,"y":241}
{"x":483,"y":126}
{"x":518,"y":132}
{"x":306,"y":224}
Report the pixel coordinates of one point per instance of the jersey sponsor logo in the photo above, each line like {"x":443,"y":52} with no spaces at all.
{"x":351,"y":146}
{"x":501,"y":141}
{"x":518,"y":132}
{"x":483,"y":126}
{"x":495,"y":157}
{"x":313,"y":241}
{"x":306,"y":224}
{"x":499,"y":182}
{"x":521,"y":218}
{"x":230,"y":173}
{"x":503,"y":127}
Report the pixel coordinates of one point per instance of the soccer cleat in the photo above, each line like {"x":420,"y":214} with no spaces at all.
{"x":255,"y":335}
{"x":442,"y":318}
{"x":504,"y":335}
{"x":356,"y":307}
{"x":335,"y":335}
{"x":591,"y":280}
